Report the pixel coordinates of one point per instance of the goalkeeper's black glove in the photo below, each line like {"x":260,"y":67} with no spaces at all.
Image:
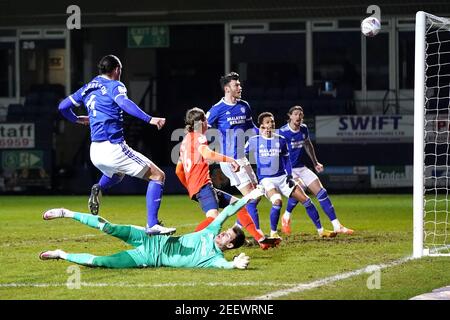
{"x":290,"y":181}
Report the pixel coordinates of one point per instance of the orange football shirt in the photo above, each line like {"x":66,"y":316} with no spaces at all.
{"x":196,"y":168}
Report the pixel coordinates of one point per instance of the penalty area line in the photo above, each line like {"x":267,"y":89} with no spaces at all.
{"x":328,"y":280}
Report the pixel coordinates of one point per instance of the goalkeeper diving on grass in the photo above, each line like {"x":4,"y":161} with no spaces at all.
{"x":202,"y":249}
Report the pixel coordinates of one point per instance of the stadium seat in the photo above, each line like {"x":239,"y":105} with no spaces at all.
{"x":33,"y":99}
{"x":16,"y":113}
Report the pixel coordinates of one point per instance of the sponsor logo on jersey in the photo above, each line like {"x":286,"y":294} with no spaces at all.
{"x":296,"y":144}
{"x":236,"y":120}
{"x":272,"y":152}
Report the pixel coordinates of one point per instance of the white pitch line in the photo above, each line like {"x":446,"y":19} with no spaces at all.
{"x":325,"y":281}
{"x":147,"y":285}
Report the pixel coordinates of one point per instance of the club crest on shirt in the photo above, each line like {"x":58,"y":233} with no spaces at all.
{"x":243,"y":109}
{"x":277,"y":144}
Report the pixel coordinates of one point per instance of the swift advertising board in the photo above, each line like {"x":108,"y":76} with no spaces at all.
{"x":365,"y":129}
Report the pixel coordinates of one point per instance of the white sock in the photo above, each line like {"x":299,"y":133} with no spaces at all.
{"x":287,"y":215}
{"x":336,"y":224}
{"x":63,"y":255}
{"x":68,"y":214}
{"x":320,"y":230}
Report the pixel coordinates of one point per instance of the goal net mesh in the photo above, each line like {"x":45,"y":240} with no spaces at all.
{"x":437,"y":135}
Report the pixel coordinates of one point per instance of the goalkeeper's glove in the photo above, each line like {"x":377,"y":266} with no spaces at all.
{"x":290,"y":181}
{"x":241,"y":261}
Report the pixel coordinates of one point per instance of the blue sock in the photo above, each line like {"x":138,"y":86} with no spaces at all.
{"x":274,"y":217}
{"x":291,"y":204}
{"x":326,"y":204}
{"x":312,"y":213}
{"x":253,"y":212}
{"x":107,"y":182}
{"x":154,"y":195}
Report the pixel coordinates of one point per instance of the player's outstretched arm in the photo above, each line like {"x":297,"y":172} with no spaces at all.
{"x":239,"y":262}
{"x":131,"y":108}
{"x":233,"y":208}
{"x":65,"y":107}
{"x":211,"y":155}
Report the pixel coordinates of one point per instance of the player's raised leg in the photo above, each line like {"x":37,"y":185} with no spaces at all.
{"x":97,"y":189}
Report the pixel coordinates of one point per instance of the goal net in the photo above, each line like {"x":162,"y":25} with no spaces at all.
{"x":432,"y":136}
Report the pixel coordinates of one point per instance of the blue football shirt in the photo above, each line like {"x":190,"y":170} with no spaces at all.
{"x":233,"y":122}
{"x":295,"y":140}
{"x":270,"y":155}
{"x":105,"y":116}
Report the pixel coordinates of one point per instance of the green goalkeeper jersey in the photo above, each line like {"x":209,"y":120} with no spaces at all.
{"x":193,"y":250}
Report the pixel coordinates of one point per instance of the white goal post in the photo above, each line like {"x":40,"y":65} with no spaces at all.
{"x":431,"y":204}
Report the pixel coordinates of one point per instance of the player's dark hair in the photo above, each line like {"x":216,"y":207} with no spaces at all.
{"x":264,"y":115}
{"x":240,"y":237}
{"x":108,"y":63}
{"x":292,"y":109}
{"x":192,"y":116}
{"x":226,"y":79}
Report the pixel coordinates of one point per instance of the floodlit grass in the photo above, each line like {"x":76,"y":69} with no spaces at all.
{"x":383,"y":225}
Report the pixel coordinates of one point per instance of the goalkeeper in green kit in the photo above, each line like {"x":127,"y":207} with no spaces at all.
{"x":202,"y":249}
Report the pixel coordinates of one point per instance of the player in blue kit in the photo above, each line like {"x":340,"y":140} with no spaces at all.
{"x":297,"y":136}
{"x":232,"y":117}
{"x":274,"y":170}
{"x":105,"y":98}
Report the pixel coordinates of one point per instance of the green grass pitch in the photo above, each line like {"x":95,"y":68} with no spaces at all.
{"x":383,"y":225}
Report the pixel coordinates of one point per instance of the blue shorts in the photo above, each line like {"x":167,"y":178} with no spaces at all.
{"x":207,"y":198}
{"x":211,"y":198}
